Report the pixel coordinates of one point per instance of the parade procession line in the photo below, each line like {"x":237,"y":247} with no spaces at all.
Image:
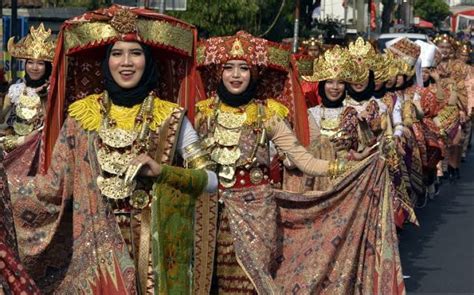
{"x":438,"y":257}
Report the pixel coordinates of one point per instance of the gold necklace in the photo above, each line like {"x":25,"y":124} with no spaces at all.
{"x":118,"y":147}
{"x":331,"y":124}
{"x":224,"y":139}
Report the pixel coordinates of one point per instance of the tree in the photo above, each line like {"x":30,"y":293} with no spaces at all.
{"x":434,"y":11}
{"x":218,"y":18}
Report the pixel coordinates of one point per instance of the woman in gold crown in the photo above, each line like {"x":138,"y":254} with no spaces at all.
{"x":453,"y":72}
{"x":254,"y":247}
{"x":413,"y":152}
{"x":333,"y":127}
{"x":25,"y":103}
{"x":302,"y":64}
{"x":361,"y":88}
{"x":236,"y":124}
{"x":464,"y":54}
{"x":111,"y":215}
{"x":428,"y":125}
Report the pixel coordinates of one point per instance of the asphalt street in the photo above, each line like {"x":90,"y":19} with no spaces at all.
{"x":438,"y":256}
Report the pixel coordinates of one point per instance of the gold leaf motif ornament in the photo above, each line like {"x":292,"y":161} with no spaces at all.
{"x":38,"y":44}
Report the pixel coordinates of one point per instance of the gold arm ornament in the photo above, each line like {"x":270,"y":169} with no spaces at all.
{"x":199,"y":157}
{"x":337,"y":168}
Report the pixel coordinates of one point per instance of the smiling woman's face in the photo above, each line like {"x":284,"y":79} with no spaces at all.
{"x":359,"y":87}
{"x":35,"y":68}
{"x":236,"y":76}
{"x":127,"y":63}
{"x":334,"y":89}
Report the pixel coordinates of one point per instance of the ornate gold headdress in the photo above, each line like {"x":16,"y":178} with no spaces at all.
{"x":38,"y":44}
{"x":365,"y":57}
{"x":243,"y":46}
{"x":382,"y":67}
{"x":464,"y":48}
{"x":123,"y":23}
{"x":312,"y":42}
{"x":393,"y":64}
{"x":403,"y":67}
{"x":333,"y":64}
{"x":445,"y":38}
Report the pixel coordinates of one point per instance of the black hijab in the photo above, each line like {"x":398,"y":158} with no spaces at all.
{"x":41,"y":81}
{"x":428,"y":82}
{"x":326,"y":101}
{"x":407,"y":83}
{"x":381,"y":92}
{"x":128,"y":97}
{"x":237,"y":100}
{"x":367,"y":93}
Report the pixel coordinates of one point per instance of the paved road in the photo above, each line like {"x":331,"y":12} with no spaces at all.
{"x":439,"y":255}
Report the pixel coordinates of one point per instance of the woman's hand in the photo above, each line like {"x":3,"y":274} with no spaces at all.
{"x":142,"y":165}
{"x":44,"y":86}
{"x":399,"y":144}
{"x":356,"y":156}
{"x":31,"y":135}
{"x":434,"y":74}
{"x":363,"y":115}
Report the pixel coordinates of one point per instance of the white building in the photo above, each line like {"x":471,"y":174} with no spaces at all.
{"x":334,"y":9}
{"x":459,"y":2}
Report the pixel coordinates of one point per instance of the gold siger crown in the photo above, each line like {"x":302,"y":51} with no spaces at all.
{"x":333,"y":64}
{"x":382,"y":66}
{"x":363,"y":53}
{"x":444,"y":38}
{"x":38,"y":44}
{"x":362,"y":50}
{"x":312,"y":42}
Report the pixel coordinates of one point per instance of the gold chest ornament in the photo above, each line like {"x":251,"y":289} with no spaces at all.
{"x":28,"y":106}
{"x":224,"y":141}
{"x":22,"y":129}
{"x":329,"y":126}
{"x":27,"y":110}
{"x":118,"y":147}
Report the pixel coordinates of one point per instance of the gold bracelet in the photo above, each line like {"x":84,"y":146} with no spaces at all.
{"x":202,"y":162}
{"x":341,"y":167}
{"x":192,"y":148}
{"x":336,"y":168}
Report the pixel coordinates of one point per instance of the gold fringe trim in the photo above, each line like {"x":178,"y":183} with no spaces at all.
{"x":87,"y":112}
{"x":272,"y":108}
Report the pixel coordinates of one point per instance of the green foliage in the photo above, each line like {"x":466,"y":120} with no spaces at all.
{"x":218,"y":18}
{"x":434,"y":11}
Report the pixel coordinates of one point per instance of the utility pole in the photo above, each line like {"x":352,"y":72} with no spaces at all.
{"x":296,"y":29}
{"x":406,"y":12}
{"x":360,"y":7}
{"x":162,"y":6}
